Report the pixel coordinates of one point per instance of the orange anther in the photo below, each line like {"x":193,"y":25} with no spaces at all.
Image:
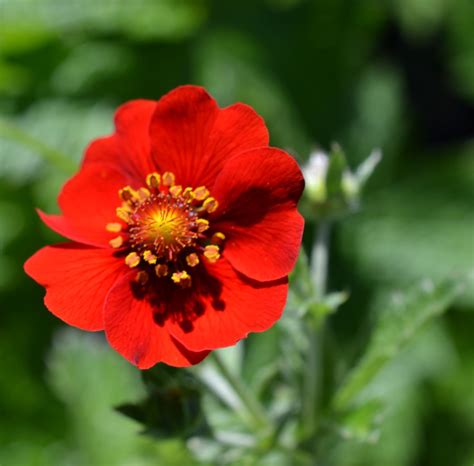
{"x":201,"y":193}
{"x":153,"y":180}
{"x":192,"y":259}
{"x":116,"y":242}
{"x":149,"y":257}
{"x":210,"y":204}
{"x":168,"y":179}
{"x":176,"y":190}
{"x":113,"y":227}
{"x":142,"y":277}
{"x":202,"y":224}
{"x":218,"y":238}
{"x":211,"y":253}
{"x":182,"y":278}
{"x":161,"y":270}
{"x":132,"y":259}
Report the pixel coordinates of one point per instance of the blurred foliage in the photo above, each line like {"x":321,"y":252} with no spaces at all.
{"x":397,"y":75}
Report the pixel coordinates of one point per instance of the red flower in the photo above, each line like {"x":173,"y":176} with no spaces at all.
{"x":184,"y":229}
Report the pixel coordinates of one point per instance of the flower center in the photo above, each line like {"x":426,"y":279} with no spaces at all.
{"x":164,"y":229}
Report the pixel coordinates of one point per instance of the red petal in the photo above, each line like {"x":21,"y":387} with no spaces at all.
{"x":192,"y":137}
{"x":132,"y":331}
{"x":128,"y":149}
{"x":257,"y":212}
{"x":88,"y":202}
{"x":225,"y":307}
{"x":77,"y":279}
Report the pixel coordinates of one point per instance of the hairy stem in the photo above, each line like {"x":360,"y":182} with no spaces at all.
{"x":254,"y":408}
{"x":313,"y":375}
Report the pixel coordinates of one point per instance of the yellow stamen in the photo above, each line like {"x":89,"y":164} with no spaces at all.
{"x":116,"y":242}
{"x":128,"y":194}
{"x":143,"y":194}
{"x":168,"y":179}
{"x":182,"y":278}
{"x":210,"y":204}
{"x":123,"y":214}
{"x":201,"y":193}
{"x":176,"y":190}
{"x":211,"y":253}
{"x":161,"y":270}
{"x":192,"y":260}
{"x":142,"y":277}
{"x":153,"y":180}
{"x":188,"y":194}
{"x":149,"y":257}
{"x":113,"y":227}
{"x":202,"y":224}
{"x":132,"y":260}
{"x":218,"y":238}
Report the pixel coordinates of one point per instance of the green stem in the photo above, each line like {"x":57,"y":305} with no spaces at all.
{"x":51,"y":155}
{"x":252,"y":405}
{"x":313,"y":374}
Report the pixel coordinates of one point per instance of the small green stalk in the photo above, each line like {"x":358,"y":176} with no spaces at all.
{"x":313,"y":375}
{"x":254,"y":408}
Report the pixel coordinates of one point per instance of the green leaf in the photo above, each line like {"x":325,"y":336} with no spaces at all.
{"x":139,"y":19}
{"x":90,"y":378}
{"x":172,"y":407}
{"x":400,"y":323}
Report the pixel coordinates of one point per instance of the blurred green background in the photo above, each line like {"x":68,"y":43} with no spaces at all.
{"x":394,"y":74}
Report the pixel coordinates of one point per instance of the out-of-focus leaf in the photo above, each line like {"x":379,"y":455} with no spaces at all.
{"x":58,"y":124}
{"x":379,"y":115}
{"x":461,"y":47}
{"x":172,"y":407}
{"x":420,"y":17}
{"x":227,"y":64}
{"x":395,"y":328}
{"x":420,"y":226}
{"x":91,"y":379}
{"x":142,"y":19}
{"x":88,"y":63}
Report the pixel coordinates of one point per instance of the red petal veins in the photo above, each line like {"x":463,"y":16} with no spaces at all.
{"x":88,"y":202}
{"x":258,"y":193}
{"x":192,"y":137}
{"x":224,"y":308}
{"x":128,"y":149}
{"x":132,"y":331}
{"x":77,"y":279}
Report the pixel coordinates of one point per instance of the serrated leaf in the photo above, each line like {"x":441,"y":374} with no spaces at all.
{"x":172,"y":407}
{"x":407,"y":314}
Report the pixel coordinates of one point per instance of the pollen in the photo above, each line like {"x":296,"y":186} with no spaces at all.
{"x":182,"y":278}
{"x":113,"y":227}
{"x":211,"y":253}
{"x":149,"y":257}
{"x":116,"y":242}
{"x":192,"y":259}
{"x":132,"y":259}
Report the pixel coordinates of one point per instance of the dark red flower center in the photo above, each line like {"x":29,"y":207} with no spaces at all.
{"x":165,"y":229}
